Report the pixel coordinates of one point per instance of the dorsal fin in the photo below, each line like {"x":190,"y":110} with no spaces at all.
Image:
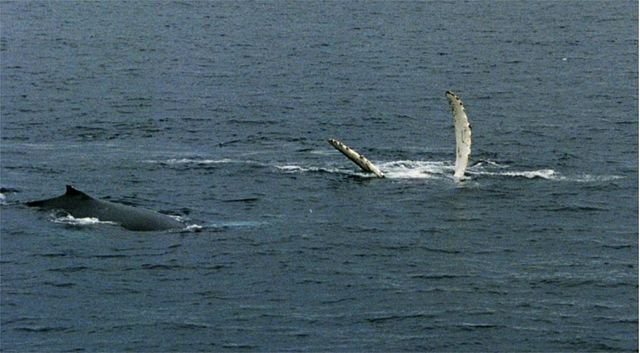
{"x":71,"y":191}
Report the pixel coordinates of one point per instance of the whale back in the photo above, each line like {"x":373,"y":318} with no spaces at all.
{"x":80,"y":205}
{"x":462,"y":132}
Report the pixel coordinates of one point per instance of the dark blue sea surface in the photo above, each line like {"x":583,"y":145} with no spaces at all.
{"x":219,"y":112}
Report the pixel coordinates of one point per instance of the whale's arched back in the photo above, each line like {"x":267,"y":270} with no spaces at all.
{"x":81,"y":205}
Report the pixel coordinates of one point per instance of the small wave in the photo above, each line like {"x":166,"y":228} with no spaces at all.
{"x":574,"y":208}
{"x":589,"y":178}
{"x":243,"y":200}
{"x":69,"y":269}
{"x":488,"y":168}
{"x":400,"y":317}
{"x":618,"y":246}
{"x":302,"y":169}
{"x":235,"y":224}
{"x":59,"y":284}
{"x":42,"y":329}
{"x":490,"y":163}
{"x":193,"y":228}
{"x":239,"y":346}
{"x":173,"y":161}
{"x":437,"y":276}
{"x":162,"y":267}
{"x":189,"y":325}
{"x":293,"y":168}
{"x":324,"y":152}
{"x":79,"y":222}
{"x":442,"y":250}
{"x":548,"y":174}
{"x":469,"y":326}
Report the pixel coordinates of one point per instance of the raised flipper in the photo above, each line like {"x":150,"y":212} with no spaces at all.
{"x":356,"y":158}
{"x":463,"y":134}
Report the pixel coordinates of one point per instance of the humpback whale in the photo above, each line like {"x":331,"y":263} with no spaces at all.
{"x":463,"y":142}
{"x":80,"y":205}
{"x":463,"y":134}
{"x":356,"y":158}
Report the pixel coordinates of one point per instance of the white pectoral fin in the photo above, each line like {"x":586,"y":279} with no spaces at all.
{"x":356,"y":158}
{"x":462,"y":132}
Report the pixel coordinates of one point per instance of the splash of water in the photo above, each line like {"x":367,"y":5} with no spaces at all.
{"x":84,"y":221}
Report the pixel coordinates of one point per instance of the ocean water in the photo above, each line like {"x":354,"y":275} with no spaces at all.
{"x":219,"y":112}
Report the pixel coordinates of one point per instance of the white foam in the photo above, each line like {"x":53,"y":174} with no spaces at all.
{"x":189,"y":227}
{"x":301,"y":169}
{"x":548,"y":174}
{"x":490,"y":163}
{"x":236,"y":224}
{"x":323,"y":152}
{"x":86,"y":221}
{"x":406,"y":169}
{"x":588,"y":178}
{"x":193,"y":228}
{"x":190,"y":161}
{"x":403,"y":169}
{"x":292,"y":168}
{"x":178,"y":218}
